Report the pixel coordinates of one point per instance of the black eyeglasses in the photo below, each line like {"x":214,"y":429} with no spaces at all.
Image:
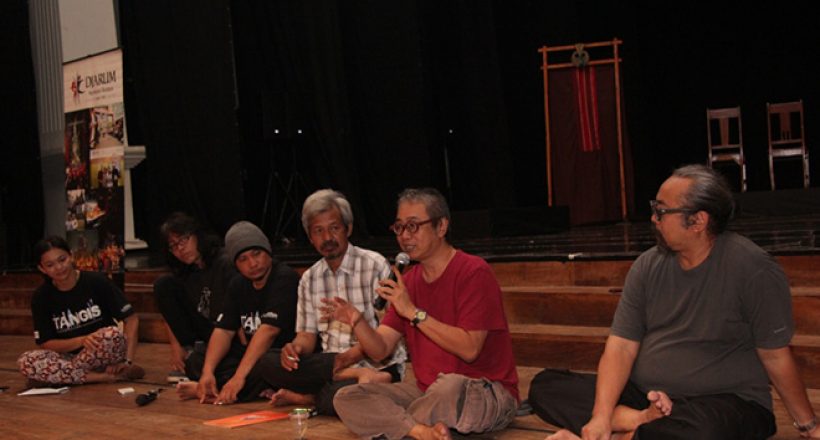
{"x":179,"y":243}
{"x":660,"y":212}
{"x":411,"y":226}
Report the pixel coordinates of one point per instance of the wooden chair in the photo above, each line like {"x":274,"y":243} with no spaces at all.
{"x":786,"y":136}
{"x":724,"y":132}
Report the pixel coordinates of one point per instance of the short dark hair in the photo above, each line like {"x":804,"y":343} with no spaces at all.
{"x":709,"y":192}
{"x":47,"y":244}
{"x":431,"y":198}
{"x":180,"y":223}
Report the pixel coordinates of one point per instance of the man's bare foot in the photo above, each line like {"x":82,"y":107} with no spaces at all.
{"x":285,"y":397}
{"x":563,"y":435}
{"x":660,"y":405}
{"x":186,"y":390}
{"x":374,"y":376}
{"x":627,"y":419}
{"x":439,"y":431}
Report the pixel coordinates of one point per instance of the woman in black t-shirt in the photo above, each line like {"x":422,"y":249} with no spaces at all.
{"x":75,"y":324}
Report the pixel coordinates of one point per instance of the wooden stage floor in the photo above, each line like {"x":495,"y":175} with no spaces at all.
{"x":98,"y":411}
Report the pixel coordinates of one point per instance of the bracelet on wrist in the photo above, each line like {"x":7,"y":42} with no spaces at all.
{"x":805,"y":428}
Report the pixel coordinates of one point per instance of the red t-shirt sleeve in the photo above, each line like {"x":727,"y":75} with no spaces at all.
{"x":393,"y":320}
{"x":479,"y":300}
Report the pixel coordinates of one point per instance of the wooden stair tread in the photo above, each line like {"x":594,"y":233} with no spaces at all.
{"x":549,"y":289}
{"x":15,"y":312}
{"x":616,"y":290}
{"x":804,"y":340}
{"x":560,"y":330}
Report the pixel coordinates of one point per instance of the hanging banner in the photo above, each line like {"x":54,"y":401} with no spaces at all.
{"x":94,"y":142}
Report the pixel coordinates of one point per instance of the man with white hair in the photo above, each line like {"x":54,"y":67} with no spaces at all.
{"x":347,"y":271}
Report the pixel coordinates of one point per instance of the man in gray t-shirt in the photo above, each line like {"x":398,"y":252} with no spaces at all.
{"x":703,"y":325}
{"x":699,"y":329}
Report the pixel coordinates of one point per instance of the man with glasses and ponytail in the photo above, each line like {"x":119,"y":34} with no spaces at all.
{"x":702,"y":327}
{"x":448,"y":308}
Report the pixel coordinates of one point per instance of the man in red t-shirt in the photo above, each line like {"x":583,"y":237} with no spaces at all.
{"x":449,"y":310}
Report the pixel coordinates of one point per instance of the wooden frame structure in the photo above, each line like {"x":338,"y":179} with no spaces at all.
{"x":615,"y":60}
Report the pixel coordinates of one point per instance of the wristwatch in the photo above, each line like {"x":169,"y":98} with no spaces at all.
{"x":419,"y":317}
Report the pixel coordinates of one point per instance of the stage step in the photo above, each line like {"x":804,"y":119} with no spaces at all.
{"x":595,"y":306}
{"x":559,"y":311}
{"x":558,"y":346}
{"x":562,"y":273}
{"x":801,"y":271}
{"x":561,"y":305}
{"x":580,"y":348}
{"x":20,"y":280}
{"x":19,"y":322}
{"x":16,"y":322}
{"x":152,"y":328}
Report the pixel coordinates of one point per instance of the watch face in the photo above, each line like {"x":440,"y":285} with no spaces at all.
{"x":420,"y":316}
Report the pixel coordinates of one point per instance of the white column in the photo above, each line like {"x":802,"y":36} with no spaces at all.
{"x":47,"y":57}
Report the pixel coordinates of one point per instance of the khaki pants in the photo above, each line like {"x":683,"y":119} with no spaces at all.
{"x":462,"y":403}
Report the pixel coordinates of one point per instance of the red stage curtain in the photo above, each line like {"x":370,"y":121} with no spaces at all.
{"x":585,"y":170}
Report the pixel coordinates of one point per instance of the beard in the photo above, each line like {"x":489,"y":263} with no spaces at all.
{"x":663,"y":246}
{"x":330,"y":249}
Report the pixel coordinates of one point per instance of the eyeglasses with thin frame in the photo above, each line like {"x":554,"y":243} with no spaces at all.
{"x":660,"y":212}
{"x":412,"y":226}
{"x":179,"y":243}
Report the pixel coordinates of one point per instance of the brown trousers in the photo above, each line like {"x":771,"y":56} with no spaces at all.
{"x":391,"y":410}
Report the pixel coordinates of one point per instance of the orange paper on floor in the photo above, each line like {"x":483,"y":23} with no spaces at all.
{"x":247,"y":419}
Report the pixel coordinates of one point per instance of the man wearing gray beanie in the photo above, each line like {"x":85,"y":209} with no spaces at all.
{"x":260,"y":310}
{"x":245,"y":235}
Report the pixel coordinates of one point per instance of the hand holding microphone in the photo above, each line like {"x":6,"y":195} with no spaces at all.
{"x":402,"y":261}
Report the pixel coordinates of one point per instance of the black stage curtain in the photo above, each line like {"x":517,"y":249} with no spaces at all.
{"x":381,"y":90}
{"x":21,"y":190}
{"x":180,"y":103}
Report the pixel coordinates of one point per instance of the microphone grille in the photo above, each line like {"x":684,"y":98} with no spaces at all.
{"x":402,"y":259}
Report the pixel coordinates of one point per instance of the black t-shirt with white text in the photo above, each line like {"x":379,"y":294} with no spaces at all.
{"x":93,"y":303}
{"x":274,"y":304}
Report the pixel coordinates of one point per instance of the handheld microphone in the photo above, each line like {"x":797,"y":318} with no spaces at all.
{"x":402,"y":260}
{"x":145,"y":399}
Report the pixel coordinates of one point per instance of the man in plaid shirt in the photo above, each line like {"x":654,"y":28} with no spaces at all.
{"x":309,"y":373}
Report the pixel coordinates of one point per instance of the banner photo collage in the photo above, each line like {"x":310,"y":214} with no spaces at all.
{"x":94,"y":146}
